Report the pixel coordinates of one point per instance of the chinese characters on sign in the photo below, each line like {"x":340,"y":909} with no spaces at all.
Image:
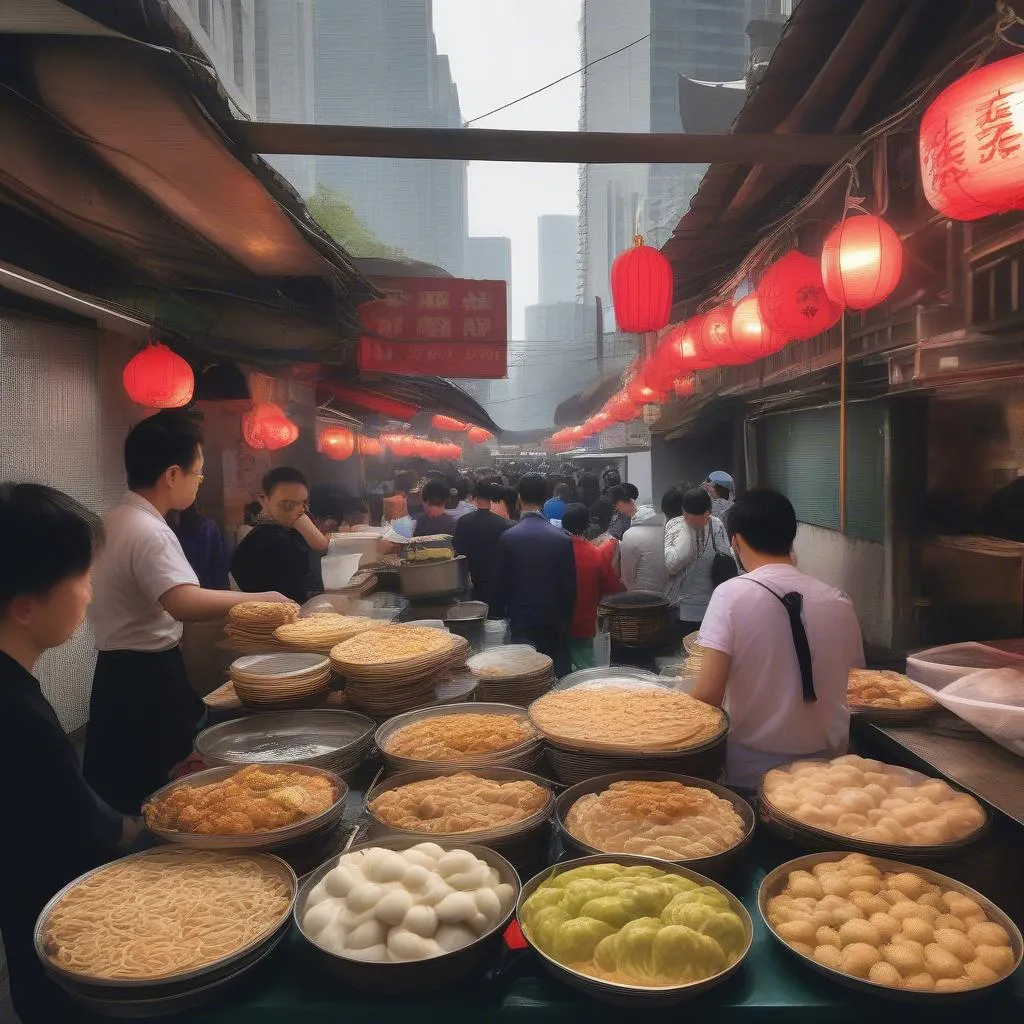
{"x":436,"y":325}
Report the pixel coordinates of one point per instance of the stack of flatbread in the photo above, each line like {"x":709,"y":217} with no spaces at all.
{"x":251,"y":624}
{"x":322,"y":632}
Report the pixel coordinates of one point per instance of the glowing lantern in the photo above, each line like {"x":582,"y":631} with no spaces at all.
{"x":640,"y":394}
{"x":440,"y":422}
{"x":370,"y":447}
{"x":684,"y":387}
{"x":477,"y":435}
{"x":621,"y":408}
{"x":972,"y":161}
{"x":452,"y":451}
{"x":716,"y":337}
{"x":861,"y":262}
{"x":641,"y":280}
{"x":682,"y":349}
{"x":336,"y":443}
{"x":402,"y":446}
{"x":266,"y":426}
{"x":158,"y":378}
{"x":793,"y":299}
{"x":751,"y":336}
{"x":601,"y":421}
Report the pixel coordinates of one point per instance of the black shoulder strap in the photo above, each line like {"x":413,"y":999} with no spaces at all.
{"x":793,"y":602}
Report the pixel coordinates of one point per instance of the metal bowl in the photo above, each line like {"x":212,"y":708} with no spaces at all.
{"x":715,"y":865}
{"x":523,"y":756}
{"x":589,"y":675}
{"x":415,"y":976}
{"x":634,"y":996}
{"x":775,"y":881}
{"x":494,"y":838}
{"x":171,"y":984}
{"x":810,"y":837}
{"x":270,"y":839}
{"x":335,"y":740}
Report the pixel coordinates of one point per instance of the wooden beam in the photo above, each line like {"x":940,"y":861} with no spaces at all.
{"x":542,"y":147}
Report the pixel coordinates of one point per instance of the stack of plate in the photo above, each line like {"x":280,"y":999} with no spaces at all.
{"x":335,"y":740}
{"x":516,"y":674}
{"x":273,"y":680}
{"x":251,"y":624}
{"x":523,"y":755}
{"x":322,"y":631}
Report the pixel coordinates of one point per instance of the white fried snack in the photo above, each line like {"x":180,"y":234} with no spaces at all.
{"x":655,"y":819}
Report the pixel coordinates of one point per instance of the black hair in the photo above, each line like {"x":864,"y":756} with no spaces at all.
{"x":697,"y":501}
{"x":576,"y":518}
{"x":532,"y":488}
{"x":45,"y":537}
{"x":610,"y":477}
{"x":563,"y":492}
{"x":672,"y":503}
{"x":283,"y":475}
{"x":590,"y":488}
{"x":721,"y":492}
{"x":766,"y":520}
{"x":632,"y":491}
{"x":354,"y":508}
{"x":251,"y":512}
{"x":434,"y":492}
{"x":483,"y":490}
{"x":154,"y":445}
{"x":404,"y":482}
{"x":621,"y":492}
{"x":462,"y":487}
{"x":510,"y":496}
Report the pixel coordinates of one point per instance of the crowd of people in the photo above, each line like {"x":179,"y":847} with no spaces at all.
{"x":542,"y":548}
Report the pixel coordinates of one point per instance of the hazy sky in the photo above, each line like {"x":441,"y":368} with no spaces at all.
{"x":499,"y":50}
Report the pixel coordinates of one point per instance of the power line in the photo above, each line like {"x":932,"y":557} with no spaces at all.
{"x":557,"y":81}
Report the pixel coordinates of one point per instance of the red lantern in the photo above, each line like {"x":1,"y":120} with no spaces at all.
{"x":684,"y":387}
{"x":449,"y":423}
{"x":792,"y":297}
{"x":158,"y":378}
{"x":861,"y":262}
{"x":972,"y":161}
{"x":601,"y":421}
{"x":336,"y":443}
{"x":751,"y":336}
{"x":641,"y":280}
{"x":266,"y":426}
{"x":716,"y":337}
{"x":402,"y":446}
{"x":682,"y":349}
{"x":621,"y":408}
{"x":639,"y":393}
{"x":477,"y":435}
{"x":369,"y":447}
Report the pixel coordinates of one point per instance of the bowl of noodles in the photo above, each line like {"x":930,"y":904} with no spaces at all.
{"x":155,"y":928}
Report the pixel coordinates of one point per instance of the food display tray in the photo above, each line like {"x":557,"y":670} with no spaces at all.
{"x":715,"y":866}
{"x":269,"y":840}
{"x":809,"y":837}
{"x":637,"y":997}
{"x":414,"y":976}
{"x":893,"y":716}
{"x":775,"y":881}
{"x":524,"y":756}
{"x":335,"y":740}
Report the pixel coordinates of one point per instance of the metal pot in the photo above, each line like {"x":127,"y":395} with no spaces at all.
{"x":466,"y":619}
{"x":431,"y":579}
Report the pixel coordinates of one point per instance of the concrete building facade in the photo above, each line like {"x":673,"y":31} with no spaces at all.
{"x":557,"y":245}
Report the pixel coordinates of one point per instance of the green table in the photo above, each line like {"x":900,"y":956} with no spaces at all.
{"x":772,"y":986}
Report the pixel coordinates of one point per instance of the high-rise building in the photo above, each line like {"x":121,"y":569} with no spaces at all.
{"x":377,"y":64}
{"x":637,"y":90}
{"x":489,"y":258}
{"x":557,"y":242}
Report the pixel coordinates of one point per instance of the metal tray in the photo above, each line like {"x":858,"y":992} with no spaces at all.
{"x":893,"y":716}
{"x":487,"y":837}
{"x":415,"y":976}
{"x":818,"y":839}
{"x":635,"y":996}
{"x":164,"y":985}
{"x":775,"y":881}
{"x":524,"y":755}
{"x":588,"y":675}
{"x":270,"y":839}
{"x":335,"y":740}
{"x":715,"y":865}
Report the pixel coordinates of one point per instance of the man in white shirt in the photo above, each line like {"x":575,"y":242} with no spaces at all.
{"x":781,"y":706}
{"x":143,"y":713}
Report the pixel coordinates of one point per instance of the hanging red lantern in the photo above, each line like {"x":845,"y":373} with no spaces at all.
{"x":640,"y":394}
{"x":793,"y":299}
{"x":336,"y":443}
{"x":158,"y":378}
{"x":861,"y":262}
{"x":477,"y":435}
{"x":658,"y":374}
{"x":267,"y":426}
{"x":601,"y":421}
{"x":716,"y":337}
{"x":453,"y":452}
{"x":402,"y":446}
{"x":369,"y":447}
{"x":684,"y":387}
{"x":641,"y":280}
{"x":450,"y":423}
{"x":972,"y":161}
{"x":751,"y":336}
{"x":622,"y":409}
{"x":682,"y":349}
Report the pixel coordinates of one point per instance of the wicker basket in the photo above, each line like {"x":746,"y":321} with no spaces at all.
{"x":637,"y":618}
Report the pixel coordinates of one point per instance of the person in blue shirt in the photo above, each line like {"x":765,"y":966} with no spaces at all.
{"x":554,"y":508}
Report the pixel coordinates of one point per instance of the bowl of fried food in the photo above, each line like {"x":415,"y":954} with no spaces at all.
{"x":887,"y":698}
{"x":259,"y":806}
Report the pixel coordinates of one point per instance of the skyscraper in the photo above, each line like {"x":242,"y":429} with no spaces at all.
{"x":637,"y":90}
{"x":377,"y":64}
{"x":489,"y":258}
{"x":557,"y":242}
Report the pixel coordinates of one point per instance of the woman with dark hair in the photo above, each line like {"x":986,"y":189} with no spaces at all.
{"x":693,"y":536}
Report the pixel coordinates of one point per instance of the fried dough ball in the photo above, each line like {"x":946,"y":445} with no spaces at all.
{"x":797,"y":931}
{"x":868,"y":903}
{"x":933,"y":900}
{"x":846,"y":911}
{"x":884,"y":973}
{"x":886,"y":925}
{"x":979,"y":973}
{"x":919,"y":930}
{"x":826,"y":936}
{"x":995,"y":958}
{"x":940,"y":963}
{"x":835,"y":884}
{"x":951,"y":921}
{"x":866,"y":883}
{"x":858,"y":930}
{"x":803,"y":883}
{"x":922,"y":982}
{"x":988,"y":933}
{"x":859,"y":958}
{"x":905,"y":910}
{"x":912,"y":886}
{"x":953,"y":985}
{"x":829,"y":956}
{"x":906,"y":956}
{"x":956,"y":943}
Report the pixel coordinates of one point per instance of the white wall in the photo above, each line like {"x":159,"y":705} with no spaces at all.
{"x":638,"y":473}
{"x":858,"y":567}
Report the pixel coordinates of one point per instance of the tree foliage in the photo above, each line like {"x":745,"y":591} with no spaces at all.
{"x":333,"y":212}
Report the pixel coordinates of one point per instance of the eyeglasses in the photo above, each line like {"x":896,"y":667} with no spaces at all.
{"x":293,"y":506}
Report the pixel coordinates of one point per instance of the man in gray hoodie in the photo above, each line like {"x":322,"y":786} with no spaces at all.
{"x":642,"y":551}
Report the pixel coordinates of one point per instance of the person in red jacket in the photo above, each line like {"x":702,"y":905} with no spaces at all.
{"x":595,"y":578}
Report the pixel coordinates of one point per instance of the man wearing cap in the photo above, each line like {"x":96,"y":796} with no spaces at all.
{"x":720,"y":486}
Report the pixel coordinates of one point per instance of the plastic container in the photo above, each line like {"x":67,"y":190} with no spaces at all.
{"x":337,"y":570}
{"x":937,"y":666}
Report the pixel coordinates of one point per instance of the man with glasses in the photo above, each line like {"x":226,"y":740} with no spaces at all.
{"x":143,"y":713}
{"x":276,"y":555}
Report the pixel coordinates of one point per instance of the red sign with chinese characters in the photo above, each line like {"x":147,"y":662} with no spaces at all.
{"x":479,"y":360}
{"x":443,"y":326}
